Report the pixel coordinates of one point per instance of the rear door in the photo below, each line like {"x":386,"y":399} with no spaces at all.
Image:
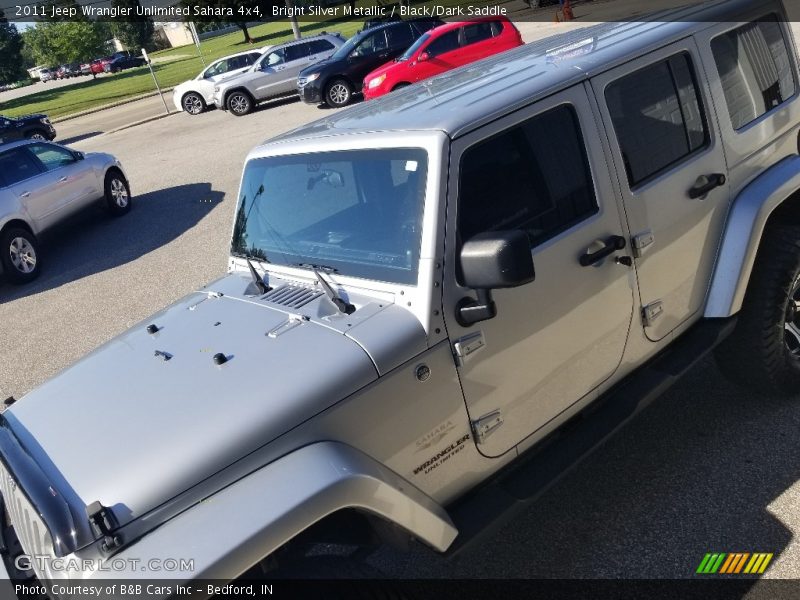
{"x":8,"y":131}
{"x":297,"y":59}
{"x":478,"y":40}
{"x":37,"y":191}
{"x":669,"y":156}
{"x":272,"y":78}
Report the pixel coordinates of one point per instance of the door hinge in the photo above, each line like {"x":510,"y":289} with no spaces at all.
{"x":465,"y":347}
{"x":641,"y":241}
{"x":651,"y":312}
{"x":486,"y":426}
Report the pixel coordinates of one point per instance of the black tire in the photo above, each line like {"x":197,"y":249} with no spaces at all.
{"x":117,"y":192}
{"x":36,"y":134}
{"x":239,"y":103}
{"x":193,"y":103}
{"x":763,"y":353}
{"x":338,"y":93}
{"x":18,"y":247}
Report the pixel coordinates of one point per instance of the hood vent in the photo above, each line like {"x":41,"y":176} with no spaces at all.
{"x":291,"y":296}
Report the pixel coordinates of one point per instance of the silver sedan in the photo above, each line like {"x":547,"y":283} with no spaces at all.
{"x":42,"y":183}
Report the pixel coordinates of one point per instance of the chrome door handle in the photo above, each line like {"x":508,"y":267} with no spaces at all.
{"x":62,"y":179}
{"x":25,"y":194}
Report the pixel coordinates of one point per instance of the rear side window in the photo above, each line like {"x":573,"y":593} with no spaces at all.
{"x":252,"y":57}
{"x":477,"y":32}
{"x":17,"y":165}
{"x":320,"y":46}
{"x":297,"y":51}
{"x":754,"y":69}
{"x":534,"y":176}
{"x":443,"y":43}
{"x":658,"y":117}
{"x":400,"y":36}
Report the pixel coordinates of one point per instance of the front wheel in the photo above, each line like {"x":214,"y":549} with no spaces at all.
{"x":193,"y":103}
{"x":763,"y":353}
{"x":117,"y":193}
{"x":19,"y":255}
{"x":338,"y":93}
{"x":36,"y":135}
{"x":240,"y":103}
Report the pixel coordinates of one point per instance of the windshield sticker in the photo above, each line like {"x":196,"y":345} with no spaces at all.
{"x":411,"y":165}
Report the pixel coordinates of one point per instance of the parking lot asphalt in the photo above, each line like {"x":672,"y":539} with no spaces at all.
{"x":708,"y":467}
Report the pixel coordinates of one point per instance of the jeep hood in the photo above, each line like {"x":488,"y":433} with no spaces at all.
{"x":194,"y":388}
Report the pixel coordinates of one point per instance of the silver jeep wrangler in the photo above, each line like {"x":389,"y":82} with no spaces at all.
{"x":382,"y":362}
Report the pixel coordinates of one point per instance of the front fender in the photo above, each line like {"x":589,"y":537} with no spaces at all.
{"x":232,"y":530}
{"x":742,"y":236}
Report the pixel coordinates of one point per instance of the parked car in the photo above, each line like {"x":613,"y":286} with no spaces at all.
{"x":61,"y":72}
{"x":35,"y":127}
{"x":653,"y":181}
{"x":72,"y":70}
{"x":121,"y":63}
{"x":443,"y":48}
{"x":86,"y":68}
{"x":196,"y":95}
{"x":42,"y":183}
{"x":274,"y":74}
{"x":375,"y":21}
{"x":335,"y":80}
{"x":46,"y":75}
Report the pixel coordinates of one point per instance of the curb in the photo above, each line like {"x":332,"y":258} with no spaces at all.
{"x":97,"y":109}
{"x":140,"y":122}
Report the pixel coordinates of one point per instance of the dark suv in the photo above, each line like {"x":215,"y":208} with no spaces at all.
{"x":334,"y":81}
{"x":34,"y":127}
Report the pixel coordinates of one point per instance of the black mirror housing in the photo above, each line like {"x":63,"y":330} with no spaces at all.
{"x":492,"y":260}
{"x":497,"y":259}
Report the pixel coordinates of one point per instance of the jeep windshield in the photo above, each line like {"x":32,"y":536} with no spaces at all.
{"x":357,"y":212}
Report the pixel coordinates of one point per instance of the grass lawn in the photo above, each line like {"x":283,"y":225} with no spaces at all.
{"x":179,"y":65}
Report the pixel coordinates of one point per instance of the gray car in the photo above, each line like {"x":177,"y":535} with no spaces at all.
{"x":42,"y":183}
{"x":274,"y":74}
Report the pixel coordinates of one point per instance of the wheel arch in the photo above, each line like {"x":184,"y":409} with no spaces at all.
{"x":292,"y":501}
{"x":773,"y":196}
{"x":237,"y":89}
{"x":17,"y":222}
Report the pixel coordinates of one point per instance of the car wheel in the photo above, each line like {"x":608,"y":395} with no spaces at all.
{"x":240,"y":103}
{"x":193,"y":103}
{"x":118,"y":193}
{"x":19,"y":255}
{"x":36,"y":134}
{"x":763,"y":352}
{"x":338,"y":93}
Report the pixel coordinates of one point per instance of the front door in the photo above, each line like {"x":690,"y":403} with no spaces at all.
{"x":555,"y":340}
{"x":673,"y":176}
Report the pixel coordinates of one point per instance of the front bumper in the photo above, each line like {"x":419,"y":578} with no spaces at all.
{"x":310,"y":93}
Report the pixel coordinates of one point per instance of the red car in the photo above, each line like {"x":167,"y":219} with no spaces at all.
{"x":443,"y":48}
{"x":98,"y":65}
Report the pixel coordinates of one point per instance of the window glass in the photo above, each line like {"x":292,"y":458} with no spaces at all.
{"x":400,"y":36}
{"x":497,"y":28}
{"x":216,"y":68}
{"x":658,"y":117}
{"x":320,"y":46}
{"x":372,"y":44}
{"x":477,"y":32}
{"x":534,"y":176}
{"x":297,"y":51}
{"x":415,"y":46}
{"x":359,"y":211}
{"x":443,"y":43}
{"x":17,"y":165}
{"x":276,"y":57}
{"x":754,"y":69}
{"x":252,"y":57}
{"x":52,"y":157}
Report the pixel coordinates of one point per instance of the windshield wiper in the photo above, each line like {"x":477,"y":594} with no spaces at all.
{"x":257,"y":279}
{"x":338,"y":301}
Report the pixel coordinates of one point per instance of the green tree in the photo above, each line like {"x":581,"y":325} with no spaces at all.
{"x":10,"y":51}
{"x":59,"y":42}
{"x":246,"y":6}
{"x":135,"y":32}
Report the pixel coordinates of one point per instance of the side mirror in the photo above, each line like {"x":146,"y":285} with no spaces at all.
{"x":492,"y":260}
{"x":423,"y":57}
{"x":79,"y":155}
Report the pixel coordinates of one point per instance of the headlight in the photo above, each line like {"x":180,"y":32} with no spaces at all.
{"x":376,"y":81}
{"x":45,"y":120}
{"x":312,"y":77}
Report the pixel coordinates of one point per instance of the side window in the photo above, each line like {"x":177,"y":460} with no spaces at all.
{"x":297,"y":51}
{"x":18,"y":165}
{"x":534,"y":176}
{"x":754,"y":68}
{"x":497,"y":28}
{"x":274,"y":58}
{"x":443,"y":43}
{"x":216,"y":69}
{"x":400,"y":36}
{"x":477,"y":32}
{"x":249,"y":59}
{"x":320,"y":46}
{"x":658,"y":117}
{"x":372,"y":44}
{"x":52,"y":157}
